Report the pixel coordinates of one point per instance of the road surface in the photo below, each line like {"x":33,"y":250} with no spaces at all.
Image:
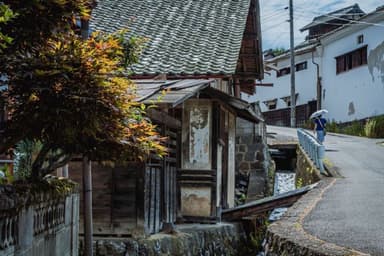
{"x":351,"y":212}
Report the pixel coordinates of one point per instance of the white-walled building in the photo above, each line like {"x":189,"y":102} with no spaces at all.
{"x":353,"y":69}
{"x":344,"y":69}
{"x":277,"y":97}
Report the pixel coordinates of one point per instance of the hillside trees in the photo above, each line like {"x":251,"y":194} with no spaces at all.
{"x":67,"y":93}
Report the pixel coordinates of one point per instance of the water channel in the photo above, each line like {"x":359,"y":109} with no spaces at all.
{"x":284,"y":180}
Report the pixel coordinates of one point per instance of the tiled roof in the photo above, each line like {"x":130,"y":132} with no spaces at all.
{"x":335,"y":15}
{"x":185,"y":36}
{"x":178,"y":91}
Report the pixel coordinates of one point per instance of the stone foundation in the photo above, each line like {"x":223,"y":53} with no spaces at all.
{"x":189,"y":240}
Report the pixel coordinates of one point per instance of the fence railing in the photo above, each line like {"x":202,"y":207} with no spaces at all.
{"x":312,"y":147}
{"x":45,"y":228}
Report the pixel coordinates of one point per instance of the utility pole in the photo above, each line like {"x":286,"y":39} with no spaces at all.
{"x":87,"y":180}
{"x":293,"y":69}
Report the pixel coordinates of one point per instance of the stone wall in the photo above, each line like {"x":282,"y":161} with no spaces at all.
{"x":189,"y":240}
{"x":39,"y":224}
{"x":306,"y":171}
{"x":253,"y":162}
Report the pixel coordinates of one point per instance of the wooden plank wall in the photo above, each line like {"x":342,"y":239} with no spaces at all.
{"x":134,"y":197}
{"x":169,"y":180}
{"x":114,"y":197}
{"x":160,"y":205}
{"x":152,"y":211}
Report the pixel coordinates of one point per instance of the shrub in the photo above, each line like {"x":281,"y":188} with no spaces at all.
{"x":333,"y":127}
{"x":356,"y":128}
{"x":374,"y":128}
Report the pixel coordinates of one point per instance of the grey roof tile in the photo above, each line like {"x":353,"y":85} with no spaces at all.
{"x":178,"y":91}
{"x":185,"y":36}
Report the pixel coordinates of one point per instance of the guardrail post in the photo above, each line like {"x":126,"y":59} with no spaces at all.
{"x":321,"y":154}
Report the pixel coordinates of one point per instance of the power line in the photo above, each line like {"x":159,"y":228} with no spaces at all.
{"x":272,"y":26}
{"x":264,"y":19}
{"x":274,"y":11}
{"x":344,"y":19}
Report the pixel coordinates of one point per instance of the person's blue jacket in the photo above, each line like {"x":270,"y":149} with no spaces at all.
{"x":320,"y":123}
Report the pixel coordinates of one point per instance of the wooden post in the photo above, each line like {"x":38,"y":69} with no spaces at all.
{"x":293,"y":70}
{"x":87,"y":195}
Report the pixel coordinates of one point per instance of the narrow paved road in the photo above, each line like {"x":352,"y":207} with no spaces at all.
{"x":351,"y":212}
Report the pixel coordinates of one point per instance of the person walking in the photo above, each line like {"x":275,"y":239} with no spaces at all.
{"x":319,"y":129}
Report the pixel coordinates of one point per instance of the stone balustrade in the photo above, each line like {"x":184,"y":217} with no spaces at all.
{"x":46,"y":226}
{"x":9,"y":231}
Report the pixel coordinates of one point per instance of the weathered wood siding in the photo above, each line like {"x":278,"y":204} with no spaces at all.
{"x":134,"y":198}
{"x":114,"y":196}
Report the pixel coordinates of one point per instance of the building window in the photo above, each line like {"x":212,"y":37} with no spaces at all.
{"x":351,"y":60}
{"x":283,"y":72}
{"x":301,"y":66}
{"x":360,"y":39}
{"x":287,"y":99}
{"x":271,"y":104}
{"x":298,"y":67}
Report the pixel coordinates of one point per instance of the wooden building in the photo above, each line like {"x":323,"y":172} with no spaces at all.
{"x":205,"y":53}
{"x":193,"y":183}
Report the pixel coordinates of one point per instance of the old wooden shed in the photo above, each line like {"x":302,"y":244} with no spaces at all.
{"x":193,"y":183}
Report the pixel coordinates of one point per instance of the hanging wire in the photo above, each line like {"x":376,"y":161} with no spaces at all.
{"x":356,"y":22}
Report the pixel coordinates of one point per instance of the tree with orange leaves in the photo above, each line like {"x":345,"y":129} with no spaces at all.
{"x":69,"y":94}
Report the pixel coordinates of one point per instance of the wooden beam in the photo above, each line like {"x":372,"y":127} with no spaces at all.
{"x":265,"y":204}
{"x":163,"y":118}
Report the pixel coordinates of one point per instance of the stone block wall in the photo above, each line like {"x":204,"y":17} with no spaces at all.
{"x":46,"y":227}
{"x":306,"y":171}
{"x":223,"y":239}
{"x":253,"y":161}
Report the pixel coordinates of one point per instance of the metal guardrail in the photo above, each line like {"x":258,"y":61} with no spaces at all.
{"x":312,"y":147}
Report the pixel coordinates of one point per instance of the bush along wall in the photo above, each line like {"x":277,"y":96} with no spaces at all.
{"x":39,"y":218}
{"x":369,"y":127}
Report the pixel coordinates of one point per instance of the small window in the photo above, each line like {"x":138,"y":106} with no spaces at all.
{"x":351,"y":60}
{"x":283,"y":72}
{"x":287,"y":99}
{"x":301,"y":66}
{"x":360,"y":39}
{"x":271,"y":104}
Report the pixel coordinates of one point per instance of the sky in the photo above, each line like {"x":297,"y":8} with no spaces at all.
{"x":275,"y":15}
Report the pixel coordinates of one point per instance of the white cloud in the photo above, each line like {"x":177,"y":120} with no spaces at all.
{"x":275,"y":16}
